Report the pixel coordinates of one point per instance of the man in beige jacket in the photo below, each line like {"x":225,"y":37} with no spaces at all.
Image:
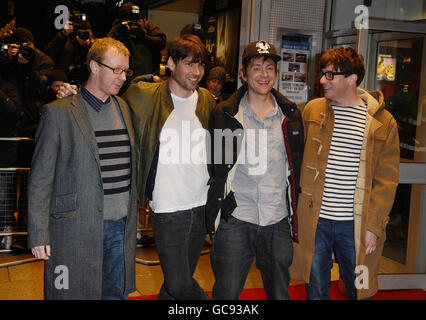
{"x":348,"y":180}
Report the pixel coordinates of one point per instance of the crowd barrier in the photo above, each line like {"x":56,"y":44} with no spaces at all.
{"x":15,"y":161}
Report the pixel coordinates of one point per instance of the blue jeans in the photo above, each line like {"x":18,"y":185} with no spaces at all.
{"x":338,"y":236}
{"x":237,"y":243}
{"x":113,"y":270}
{"x":179,"y":238}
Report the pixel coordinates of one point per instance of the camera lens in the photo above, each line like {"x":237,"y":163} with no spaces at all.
{"x":83,"y":34}
{"x":27,"y":52}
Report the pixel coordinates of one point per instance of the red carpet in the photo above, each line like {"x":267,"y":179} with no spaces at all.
{"x":297,"y":292}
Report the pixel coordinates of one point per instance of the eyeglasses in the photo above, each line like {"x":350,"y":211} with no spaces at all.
{"x":129,"y":72}
{"x":329,"y":75}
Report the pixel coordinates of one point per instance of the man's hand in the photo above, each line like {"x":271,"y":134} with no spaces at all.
{"x":22,"y":60}
{"x":370,"y":242}
{"x":41,"y":252}
{"x":13,"y":50}
{"x":66,"y":90}
{"x":68,"y":29}
{"x":81,"y":42}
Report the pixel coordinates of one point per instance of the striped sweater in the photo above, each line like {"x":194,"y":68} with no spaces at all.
{"x":343,"y":163}
{"x":114,"y":154}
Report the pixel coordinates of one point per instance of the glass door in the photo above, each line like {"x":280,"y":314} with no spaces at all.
{"x":397,"y":67}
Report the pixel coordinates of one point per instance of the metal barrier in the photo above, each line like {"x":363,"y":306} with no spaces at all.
{"x":13,"y":205}
{"x":15,"y":159}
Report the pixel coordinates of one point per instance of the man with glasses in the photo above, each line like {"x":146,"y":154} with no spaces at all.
{"x":82,"y":209}
{"x":348,"y":180}
{"x":171,"y":120}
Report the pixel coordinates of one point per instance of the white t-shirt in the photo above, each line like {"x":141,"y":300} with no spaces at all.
{"x":182,"y":176}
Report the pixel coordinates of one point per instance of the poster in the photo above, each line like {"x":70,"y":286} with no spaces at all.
{"x":222,"y":36}
{"x":295,"y":52}
{"x":386,"y":67}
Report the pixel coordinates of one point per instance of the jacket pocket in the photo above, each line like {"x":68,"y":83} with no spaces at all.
{"x":64,"y":206}
{"x":305,"y":202}
{"x":382,"y":237}
{"x":305,"y":219}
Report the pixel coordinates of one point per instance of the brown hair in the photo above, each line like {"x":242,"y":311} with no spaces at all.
{"x":344,"y":59}
{"x":188,"y":45}
{"x":101,"y":46}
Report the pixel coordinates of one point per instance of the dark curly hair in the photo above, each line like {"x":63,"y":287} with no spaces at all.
{"x":344,"y":59}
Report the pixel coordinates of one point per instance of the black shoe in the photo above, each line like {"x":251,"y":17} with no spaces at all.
{"x":145,"y":241}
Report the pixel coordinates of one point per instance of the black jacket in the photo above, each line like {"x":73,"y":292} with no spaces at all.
{"x":30,"y":80}
{"x":223,"y":118}
{"x":70,"y":57}
{"x":10,"y":109}
{"x":145,"y":48}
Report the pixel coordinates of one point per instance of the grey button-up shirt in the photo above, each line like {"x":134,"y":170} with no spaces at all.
{"x":259,"y":183}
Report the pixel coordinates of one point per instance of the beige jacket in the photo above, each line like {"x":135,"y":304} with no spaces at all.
{"x":375,"y":188}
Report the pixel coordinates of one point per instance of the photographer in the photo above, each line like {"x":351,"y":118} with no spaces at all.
{"x":143,"y":39}
{"x":10,"y":109}
{"x":70,"y":46}
{"x":25,"y":66}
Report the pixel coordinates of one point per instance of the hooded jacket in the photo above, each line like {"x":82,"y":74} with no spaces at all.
{"x":228,"y":115}
{"x":376,"y":185}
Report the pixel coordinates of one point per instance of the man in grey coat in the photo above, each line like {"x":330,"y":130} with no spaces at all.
{"x":82,"y":208}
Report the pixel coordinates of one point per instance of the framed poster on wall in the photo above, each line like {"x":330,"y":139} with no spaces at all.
{"x":295,"y":52}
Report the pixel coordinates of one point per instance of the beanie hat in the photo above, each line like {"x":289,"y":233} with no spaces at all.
{"x":218,"y":73}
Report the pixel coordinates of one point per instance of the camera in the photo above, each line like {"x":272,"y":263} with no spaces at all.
{"x":134,"y":14}
{"x":24,"y":49}
{"x":83,"y":34}
{"x":4,"y":47}
{"x":78,"y":17}
{"x":132,"y":18}
{"x":81,"y":25}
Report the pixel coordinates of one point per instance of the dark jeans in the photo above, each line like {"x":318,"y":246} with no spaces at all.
{"x":179,"y":238}
{"x":338,"y":236}
{"x":235,"y":245}
{"x":113,"y":270}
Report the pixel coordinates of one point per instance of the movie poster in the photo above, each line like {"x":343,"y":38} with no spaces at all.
{"x":222,"y":39}
{"x":295,"y":52}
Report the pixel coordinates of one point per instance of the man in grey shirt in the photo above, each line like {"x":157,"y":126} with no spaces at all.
{"x":261,"y":197}
{"x":251,"y":206}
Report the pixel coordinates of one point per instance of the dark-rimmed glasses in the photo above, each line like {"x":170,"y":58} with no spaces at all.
{"x":329,"y":75}
{"x":129,"y":72}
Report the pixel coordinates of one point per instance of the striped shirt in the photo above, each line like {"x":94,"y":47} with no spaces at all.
{"x":343,"y":163}
{"x":114,"y":155}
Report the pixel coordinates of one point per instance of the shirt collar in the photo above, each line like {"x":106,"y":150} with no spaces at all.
{"x":249,"y":111}
{"x":93,"y":101}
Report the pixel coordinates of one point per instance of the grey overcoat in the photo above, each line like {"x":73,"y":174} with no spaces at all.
{"x":65,"y":202}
